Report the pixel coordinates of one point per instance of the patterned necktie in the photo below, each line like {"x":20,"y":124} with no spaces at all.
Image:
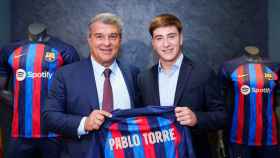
{"x":107,"y":92}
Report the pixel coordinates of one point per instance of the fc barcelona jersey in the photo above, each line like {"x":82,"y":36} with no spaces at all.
{"x":150,"y":132}
{"x":32,"y":66}
{"x":252,"y":87}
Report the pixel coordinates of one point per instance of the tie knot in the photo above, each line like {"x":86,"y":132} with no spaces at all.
{"x":107,"y":72}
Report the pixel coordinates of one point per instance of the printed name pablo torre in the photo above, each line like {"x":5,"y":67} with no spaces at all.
{"x":134,"y":140}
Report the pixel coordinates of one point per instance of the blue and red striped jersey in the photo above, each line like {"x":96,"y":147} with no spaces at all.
{"x":252,"y":87}
{"x":150,"y":132}
{"x":32,"y":66}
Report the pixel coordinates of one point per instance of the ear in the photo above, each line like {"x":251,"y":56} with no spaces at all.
{"x":152,"y":41}
{"x":89,"y":40}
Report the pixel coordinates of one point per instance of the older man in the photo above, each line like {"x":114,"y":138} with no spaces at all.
{"x":83,"y":94}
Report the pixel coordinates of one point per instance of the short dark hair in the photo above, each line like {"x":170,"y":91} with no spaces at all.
{"x":164,"y":20}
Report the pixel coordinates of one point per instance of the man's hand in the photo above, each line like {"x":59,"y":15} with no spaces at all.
{"x":96,"y":119}
{"x":185,"y":116}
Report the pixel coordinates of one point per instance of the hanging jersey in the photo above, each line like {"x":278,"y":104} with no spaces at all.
{"x":252,"y":104}
{"x":150,"y":132}
{"x":32,"y":66}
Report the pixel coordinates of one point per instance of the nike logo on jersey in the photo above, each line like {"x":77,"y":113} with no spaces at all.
{"x":17,"y":56}
{"x":244,"y":75}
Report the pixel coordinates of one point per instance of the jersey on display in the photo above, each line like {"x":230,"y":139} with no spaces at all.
{"x":32,"y":66}
{"x":150,"y":132}
{"x":252,"y":104}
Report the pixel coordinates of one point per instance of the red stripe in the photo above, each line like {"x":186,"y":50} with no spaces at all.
{"x":240,"y":113}
{"x":60,"y":61}
{"x":274,"y":129}
{"x":36,"y":99}
{"x":144,"y":127}
{"x":116,"y":133}
{"x":15,"y":123}
{"x":259,"y":102}
{"x":177,"y":140}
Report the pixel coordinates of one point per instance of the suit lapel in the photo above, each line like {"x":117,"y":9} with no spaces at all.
{"x":183,"y":78}
{"x":154,"y":83}
{"x":127,"y":75}
{"x":91,"y":86}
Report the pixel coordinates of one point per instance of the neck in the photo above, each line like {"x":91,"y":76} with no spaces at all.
{"x":253,"y":58}
{"x":106,"y":64}
{"x":42,"y":37}
{"x":166,"y":65}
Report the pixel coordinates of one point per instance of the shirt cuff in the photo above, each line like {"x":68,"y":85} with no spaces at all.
{"x":81,"y":129}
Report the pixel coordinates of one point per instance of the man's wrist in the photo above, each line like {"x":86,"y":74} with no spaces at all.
{"x":81,"y":128}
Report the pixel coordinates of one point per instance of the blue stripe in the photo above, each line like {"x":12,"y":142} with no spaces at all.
{"x":169,"y":146}
{"x":53,"y":66}
{"x":252,"y":124}
{"x":269,"y":112}
{"x":138,"y":151}
{"x":29,"y":90}
{"x":11,"y":59}
{"x":233,"y":133}
{"x":108,"y":153}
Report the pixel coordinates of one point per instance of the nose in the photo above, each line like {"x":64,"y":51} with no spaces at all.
{"x":165,"y":43}
{"x":107,"y":41}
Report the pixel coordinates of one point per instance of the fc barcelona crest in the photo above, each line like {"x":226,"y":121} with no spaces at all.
{"x":268,"y":76}
{"x":50,"y":56}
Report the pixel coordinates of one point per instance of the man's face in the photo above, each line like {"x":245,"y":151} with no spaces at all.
{"x":104,"y":41}
{"x":167,"y":42}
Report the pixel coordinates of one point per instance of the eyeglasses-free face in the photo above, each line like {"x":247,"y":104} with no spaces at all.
{"x":167,"y":42}
{"x":104,"y":41}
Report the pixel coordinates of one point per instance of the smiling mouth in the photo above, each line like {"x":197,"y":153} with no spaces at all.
{"x":167,"y":51}
{"x":106,"y":50}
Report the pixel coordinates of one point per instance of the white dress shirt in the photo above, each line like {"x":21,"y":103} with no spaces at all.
{"x":121,"y":99}
{"x":167,"y":81}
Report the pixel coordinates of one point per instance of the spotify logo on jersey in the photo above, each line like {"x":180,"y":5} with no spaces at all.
{"x":20,"y":74}
{"x":245,"y":90}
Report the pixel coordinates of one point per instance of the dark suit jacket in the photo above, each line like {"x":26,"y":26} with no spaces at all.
{"x":73,"y":95}
{"x":197,"y":88}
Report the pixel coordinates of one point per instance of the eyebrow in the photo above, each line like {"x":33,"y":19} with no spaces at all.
{"x":166,"y":35}
{"x":171,"y":34}
{"x":113,"y":33}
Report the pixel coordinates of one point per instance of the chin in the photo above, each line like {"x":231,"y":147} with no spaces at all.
{"x":107,"y":59}
{"x":169,"y":58}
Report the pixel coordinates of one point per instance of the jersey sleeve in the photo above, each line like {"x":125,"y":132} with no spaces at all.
{"x":5,"y":53}
{"x":70,"y":55}
{"x":277,"y":88}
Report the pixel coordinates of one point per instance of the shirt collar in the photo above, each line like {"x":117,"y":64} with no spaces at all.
{"x":99,"y":69}
{"x":175,"y":66}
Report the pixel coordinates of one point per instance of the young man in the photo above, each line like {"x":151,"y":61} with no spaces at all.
{"x":83,"y":94}
{"x":177,"y":81}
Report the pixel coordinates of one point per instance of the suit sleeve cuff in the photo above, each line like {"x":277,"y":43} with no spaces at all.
{"x":81,"y":129}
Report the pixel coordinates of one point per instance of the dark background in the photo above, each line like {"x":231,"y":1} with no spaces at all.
{"x":213,"y":31}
